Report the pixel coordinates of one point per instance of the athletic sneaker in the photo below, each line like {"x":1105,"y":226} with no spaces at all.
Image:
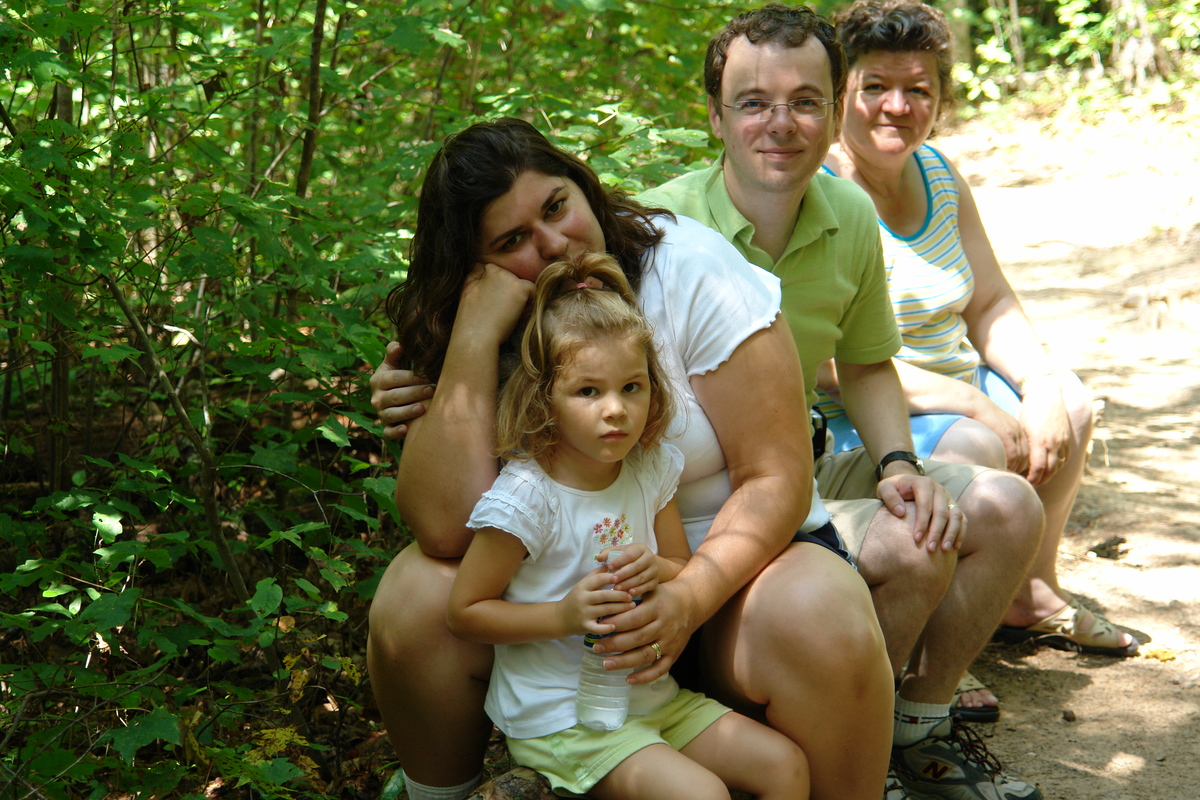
{"x":954,"y":763}
{"x":894,"y":789}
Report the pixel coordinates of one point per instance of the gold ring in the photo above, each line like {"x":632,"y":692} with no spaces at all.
{"x":952,"y":506}
{"x":657,"y":650}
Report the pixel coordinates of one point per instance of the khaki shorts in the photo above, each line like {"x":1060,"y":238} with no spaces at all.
{"x":847,"y":485}
{"x":576,"y":759}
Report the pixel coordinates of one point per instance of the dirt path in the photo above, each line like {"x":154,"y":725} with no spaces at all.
{"x":1099,"y":231}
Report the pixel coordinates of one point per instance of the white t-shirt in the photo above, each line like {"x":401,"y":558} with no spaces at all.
{"x":533,"y":685}
{"x":704,"y":299}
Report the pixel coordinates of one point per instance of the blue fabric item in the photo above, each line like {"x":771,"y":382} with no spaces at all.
{"x":928,"y":429}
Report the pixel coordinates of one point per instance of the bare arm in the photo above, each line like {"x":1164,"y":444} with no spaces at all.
{"x":769,"y":456}
{"x":476,"y":613}
{"x":874,"y":401}
{"x":640,"y":575}
{"x":1001,"y":332}
{"x":447,"y":463}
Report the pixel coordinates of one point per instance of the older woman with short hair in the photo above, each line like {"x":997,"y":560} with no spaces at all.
{"x":980,"y":386}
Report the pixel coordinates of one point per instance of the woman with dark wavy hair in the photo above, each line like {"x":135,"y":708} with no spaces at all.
{"x":446,"y":248}
{"x":501,"y":204}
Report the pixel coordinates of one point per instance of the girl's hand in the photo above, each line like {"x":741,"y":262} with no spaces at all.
{"x":592,"y":598}
{"x":491,"y":303}
{"x":635,"y":571}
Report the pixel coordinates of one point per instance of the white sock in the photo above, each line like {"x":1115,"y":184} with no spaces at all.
{"x":915,"y":721}
{"x":419,"y":791}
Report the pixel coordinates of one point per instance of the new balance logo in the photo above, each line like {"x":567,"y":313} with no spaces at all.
{"x":935,"y":770}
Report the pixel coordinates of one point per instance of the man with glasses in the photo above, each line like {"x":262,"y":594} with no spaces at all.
{"x":775,"y":79}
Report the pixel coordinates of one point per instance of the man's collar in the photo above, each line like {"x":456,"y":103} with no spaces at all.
{"x":816,"y":214}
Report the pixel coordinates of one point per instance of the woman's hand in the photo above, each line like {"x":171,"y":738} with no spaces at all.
{"x":635,"y":571}
{"x":662,"y":618}
{"x":491,"y":303}
{"x":1009,"y":429}
{"x":590,"y":599}
{"x":396,"y":394}
{"x":1045,"y":421}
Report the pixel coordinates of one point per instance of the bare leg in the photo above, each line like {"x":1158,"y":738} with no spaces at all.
{"x":734,"y":752}
{"x":1041,"y":596}
{"x":1004,"y":519}
{"x":800,"y":647}
{"x":658,"y":771}
{"x":969,"y":442}
{"x":429,"y":685}
{"x":907,"y":581}
{"x":751,"y":757}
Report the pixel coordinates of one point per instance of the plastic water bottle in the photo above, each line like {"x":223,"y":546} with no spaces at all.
{"x":603,"y":698}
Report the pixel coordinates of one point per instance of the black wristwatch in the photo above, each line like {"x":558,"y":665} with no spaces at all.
{"x":899,"y":455}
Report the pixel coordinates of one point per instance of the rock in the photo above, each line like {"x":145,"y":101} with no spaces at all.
{"x":518,"y":783}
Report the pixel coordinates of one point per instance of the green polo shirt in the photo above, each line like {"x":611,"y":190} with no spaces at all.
{"x":835,"y":292}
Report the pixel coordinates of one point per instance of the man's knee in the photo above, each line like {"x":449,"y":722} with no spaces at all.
{"x":1004,"y":515}
{"x":892,"y":555}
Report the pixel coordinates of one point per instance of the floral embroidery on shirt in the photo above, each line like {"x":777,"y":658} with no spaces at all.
{"x":611,"y":532}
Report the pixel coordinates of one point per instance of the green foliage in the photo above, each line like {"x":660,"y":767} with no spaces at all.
{"x":197,"y":233}
{"x":202,"y":209}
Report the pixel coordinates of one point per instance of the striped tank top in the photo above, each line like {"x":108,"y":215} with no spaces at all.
{"x":930,"y":282}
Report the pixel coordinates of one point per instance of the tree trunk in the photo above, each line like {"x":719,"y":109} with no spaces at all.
{"x":1138,"y":56}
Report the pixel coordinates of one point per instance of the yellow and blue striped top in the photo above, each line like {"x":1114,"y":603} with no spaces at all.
{"x":930,"y":282}
{"x":930,"y":279}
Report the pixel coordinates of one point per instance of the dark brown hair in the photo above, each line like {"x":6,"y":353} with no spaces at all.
{"x":899,"y":26}
{"x":790,"y":26}
{"x":566,"y":317}
{"x":473,"y":168}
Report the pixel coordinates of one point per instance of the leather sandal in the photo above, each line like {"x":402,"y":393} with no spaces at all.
{"x":1074,"y":627}
{"x":970,"y":683}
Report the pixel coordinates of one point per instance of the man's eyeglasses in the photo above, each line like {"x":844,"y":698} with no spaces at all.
{"x":809,"y":107}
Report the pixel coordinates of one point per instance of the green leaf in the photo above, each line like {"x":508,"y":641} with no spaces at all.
{"x":142,"y":730}
{"x":111,"y":610}
{"x":108,"y":525}
{"x":309,"y":589}
{"x":280,"y":771}
{"x":335,"y":432}
{"x":267,"y":597}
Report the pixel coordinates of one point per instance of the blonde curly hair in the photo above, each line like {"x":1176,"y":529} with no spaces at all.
{"x":565,"y":317}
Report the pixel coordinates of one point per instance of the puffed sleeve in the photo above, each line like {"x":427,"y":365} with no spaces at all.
{"x":710,"y":298}
{"x":517,"y":504}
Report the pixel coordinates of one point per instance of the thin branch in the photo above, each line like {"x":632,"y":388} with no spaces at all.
{"x":314,"y":101}
{"x":208,"y":463}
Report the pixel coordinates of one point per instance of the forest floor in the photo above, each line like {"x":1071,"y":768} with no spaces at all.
{"x":1098,"y":229}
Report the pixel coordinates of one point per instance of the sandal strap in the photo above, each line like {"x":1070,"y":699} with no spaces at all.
{"x":1069,"y":620}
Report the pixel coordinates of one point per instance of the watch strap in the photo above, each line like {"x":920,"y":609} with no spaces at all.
{"x":899,"y":455}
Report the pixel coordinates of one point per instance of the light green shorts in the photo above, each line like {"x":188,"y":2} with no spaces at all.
{"x":574,"y":760}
